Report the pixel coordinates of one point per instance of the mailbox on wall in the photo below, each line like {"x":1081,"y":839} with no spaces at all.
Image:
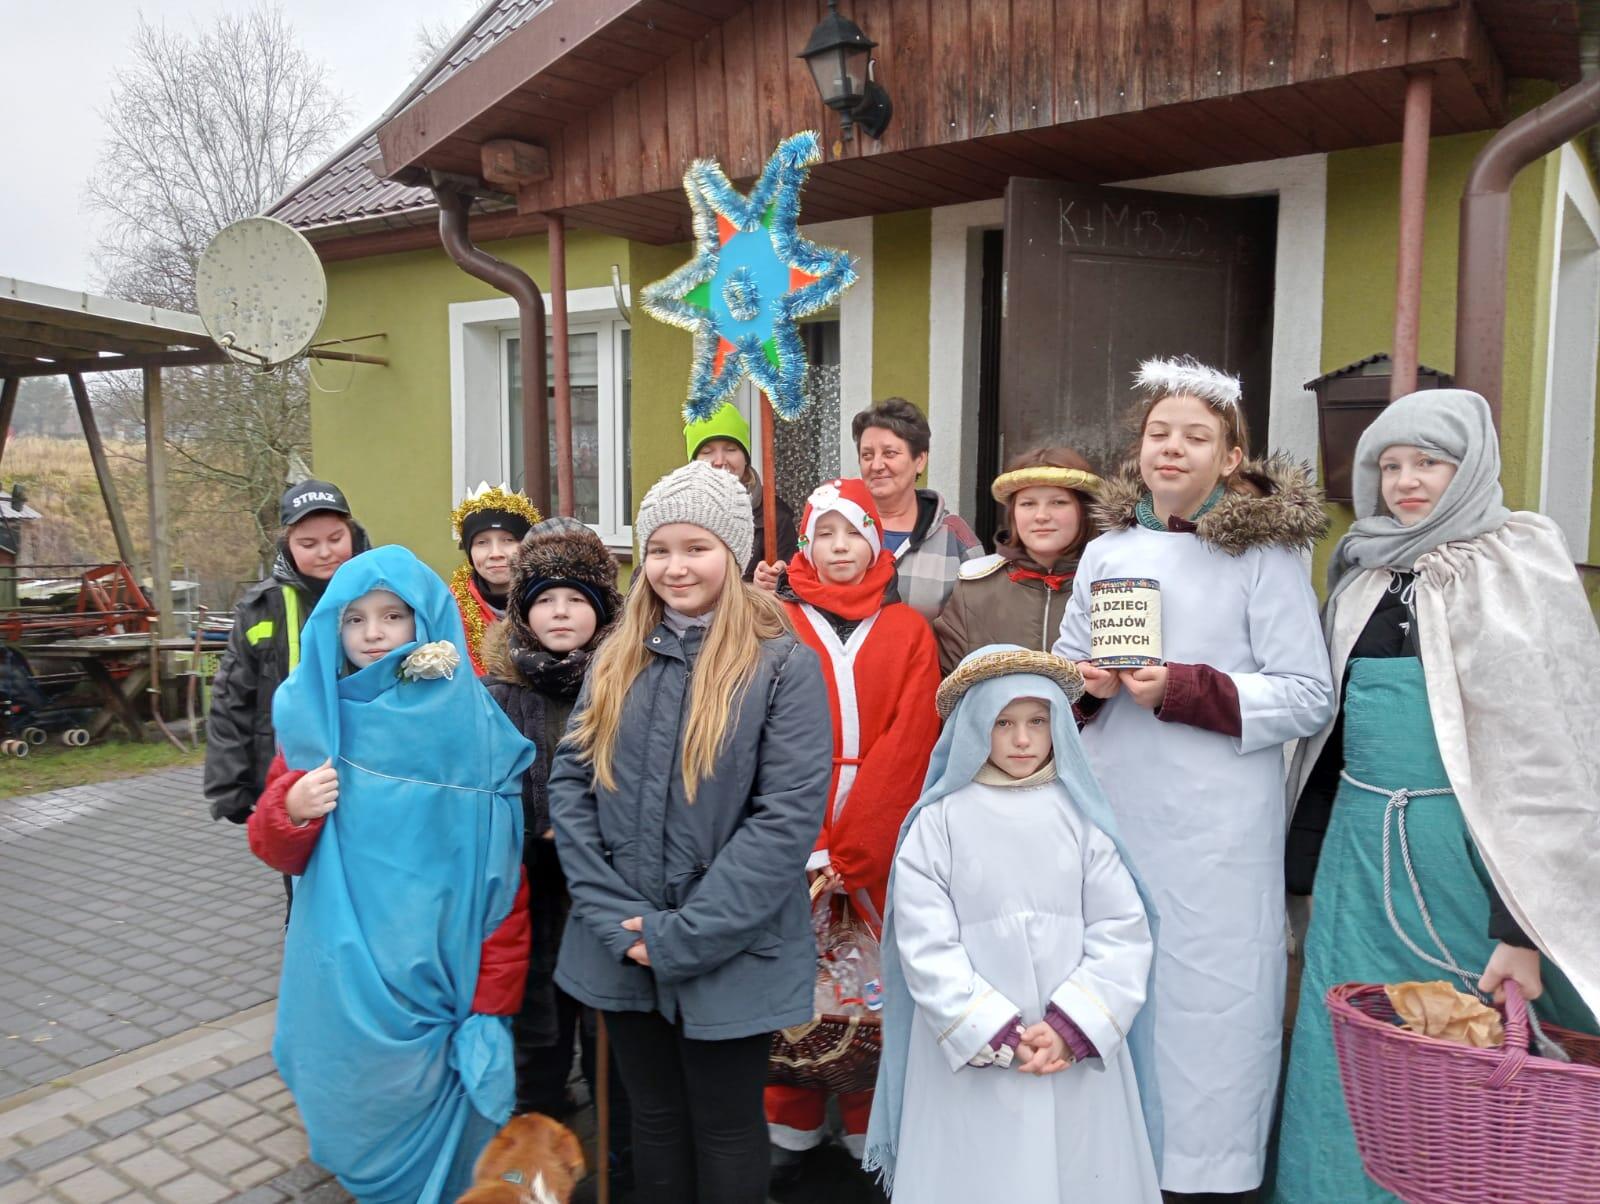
{"x":1348,"y":399}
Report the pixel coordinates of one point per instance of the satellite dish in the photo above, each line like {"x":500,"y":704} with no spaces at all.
{"x":260,"y":290}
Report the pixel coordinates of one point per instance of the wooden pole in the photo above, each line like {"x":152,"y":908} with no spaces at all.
{"x":602,"y":1105}
{"x":1413,"y":217}
{"x":769,"y":482}
{"x":155,"y":451}
{"x":102,"y":470}
{"x":8,"y":408}
{"x":563,"y":369}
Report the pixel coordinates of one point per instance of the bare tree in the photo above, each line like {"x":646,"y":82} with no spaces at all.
{"x":433,"y":36}
{"x":206,"y":128}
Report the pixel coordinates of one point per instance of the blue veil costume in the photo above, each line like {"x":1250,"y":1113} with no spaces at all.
{"x":962,"y":749}
{"x":399,"y":1082}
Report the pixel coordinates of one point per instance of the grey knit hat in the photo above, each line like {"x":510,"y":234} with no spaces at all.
{"x":705,"y":496}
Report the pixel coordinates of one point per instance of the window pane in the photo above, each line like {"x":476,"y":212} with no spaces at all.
{"x":583,"y":350}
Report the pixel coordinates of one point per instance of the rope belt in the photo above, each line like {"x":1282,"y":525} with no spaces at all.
{"x":1398,"y":802}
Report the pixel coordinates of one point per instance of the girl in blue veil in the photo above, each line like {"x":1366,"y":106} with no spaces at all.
{"x":407,"y":944}
{"x":1017,"y":936}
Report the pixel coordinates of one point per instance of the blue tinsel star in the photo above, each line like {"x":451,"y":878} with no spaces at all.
{"x":752,"y":278}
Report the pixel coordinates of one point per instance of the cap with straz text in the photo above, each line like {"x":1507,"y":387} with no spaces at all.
{"x":307,"y":498}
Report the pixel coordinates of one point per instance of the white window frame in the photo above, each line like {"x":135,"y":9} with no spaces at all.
{"x":480,"y":446}
{"x":1570,"y":382}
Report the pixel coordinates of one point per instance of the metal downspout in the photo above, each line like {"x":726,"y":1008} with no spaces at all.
{"x":1486,"y":227}
{"x":1413,"y":219}
{"x":530,"y":320}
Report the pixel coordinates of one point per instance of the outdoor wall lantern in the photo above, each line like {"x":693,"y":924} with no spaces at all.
{"x":840,"y":58}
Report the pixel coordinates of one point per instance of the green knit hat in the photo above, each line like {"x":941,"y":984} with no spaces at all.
{"x":726,"y":423}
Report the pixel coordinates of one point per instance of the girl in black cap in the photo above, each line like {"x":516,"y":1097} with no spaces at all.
{"x":487,"y":525}
{"x":318,"y":536}
{"x":562,"y":601}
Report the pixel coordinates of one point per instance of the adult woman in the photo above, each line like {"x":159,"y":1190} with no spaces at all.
{"x":1469,"y":661}
{"x":1019,"y":595}
{"x":723,"y":441}
{"x":488,"y":526}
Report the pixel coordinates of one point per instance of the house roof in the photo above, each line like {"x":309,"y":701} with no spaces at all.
{"x":16,"y":511}
{"x":342,"y":195}
{"x":611,"y":88}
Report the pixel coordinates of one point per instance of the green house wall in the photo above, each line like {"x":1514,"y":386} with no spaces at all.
{"x":383,"y":433}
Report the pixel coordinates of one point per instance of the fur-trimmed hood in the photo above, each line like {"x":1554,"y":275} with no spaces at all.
{"x":1275,"y":503}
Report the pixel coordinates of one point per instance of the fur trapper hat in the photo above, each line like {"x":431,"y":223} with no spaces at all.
{"x":563,"y":552}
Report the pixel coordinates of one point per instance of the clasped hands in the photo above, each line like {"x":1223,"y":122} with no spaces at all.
{"x":1041,"y":1050}
{"x":1146,"y":685}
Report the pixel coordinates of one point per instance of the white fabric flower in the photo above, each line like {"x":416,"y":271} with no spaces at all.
{"x":427,"y":661}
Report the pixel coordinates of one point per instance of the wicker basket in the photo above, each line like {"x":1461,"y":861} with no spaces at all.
{"x":830,"y":1052}
{"x":1440,"y":1123}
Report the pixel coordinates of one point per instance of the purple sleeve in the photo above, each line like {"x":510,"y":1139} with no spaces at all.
{"x":1202,"y":697}
{"x":1086,"y":708}
{"x":1009,"y":1036}
{"x":1079,"y":1045}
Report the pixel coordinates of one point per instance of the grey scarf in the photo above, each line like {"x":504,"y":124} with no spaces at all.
{"x":1453,"y":424}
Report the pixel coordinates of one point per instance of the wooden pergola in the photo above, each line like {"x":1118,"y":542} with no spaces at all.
{"x":47,"y":331}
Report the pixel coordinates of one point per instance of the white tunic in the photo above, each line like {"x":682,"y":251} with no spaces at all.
{"x":1006,"y":900}
{"x":1201,"y":815}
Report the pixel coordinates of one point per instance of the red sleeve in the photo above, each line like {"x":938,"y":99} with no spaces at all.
{"x":503,"y":964}
{"x":273,"y":835}
{"x":861,"y":843}
{"x":1201,"y":697}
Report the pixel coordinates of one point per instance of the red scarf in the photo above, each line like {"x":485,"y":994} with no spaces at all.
{"x":858,"y":599}
{"x":1054,"y":582}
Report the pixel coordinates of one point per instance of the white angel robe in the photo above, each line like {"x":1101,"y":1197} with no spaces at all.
{"x":1007,"y":900}
{"x":1202,"y":816}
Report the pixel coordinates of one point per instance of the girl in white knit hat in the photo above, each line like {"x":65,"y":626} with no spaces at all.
{"x":685,"y":800}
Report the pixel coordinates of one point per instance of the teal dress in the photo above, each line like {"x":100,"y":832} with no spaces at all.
{"x":1388,"y":743}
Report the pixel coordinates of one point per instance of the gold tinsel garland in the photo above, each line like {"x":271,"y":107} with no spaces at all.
{"x":471,"y":612}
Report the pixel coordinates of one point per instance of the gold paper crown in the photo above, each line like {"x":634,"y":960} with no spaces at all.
{"x":497,"y":497}
{"x":1019,"y":479}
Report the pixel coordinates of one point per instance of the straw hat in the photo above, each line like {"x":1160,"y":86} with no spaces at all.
{"x":999,"y":664}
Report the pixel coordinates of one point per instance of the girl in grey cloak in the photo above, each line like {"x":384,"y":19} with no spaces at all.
{"x":1011,"y":909}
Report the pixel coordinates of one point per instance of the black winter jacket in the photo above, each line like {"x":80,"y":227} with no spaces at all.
{"x":239,"y":737}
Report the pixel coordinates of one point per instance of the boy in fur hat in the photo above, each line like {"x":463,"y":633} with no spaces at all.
{"x":560,"y":604}
{"x":882,"y":669}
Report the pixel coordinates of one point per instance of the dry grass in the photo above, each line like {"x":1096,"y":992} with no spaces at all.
{"x":208,"y":543}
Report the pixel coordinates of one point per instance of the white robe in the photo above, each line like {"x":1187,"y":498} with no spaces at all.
{"x":1202,"y":816}
{"x":1005,"y":901}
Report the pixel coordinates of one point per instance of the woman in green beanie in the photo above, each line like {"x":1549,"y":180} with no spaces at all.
{"x":723,"y":441}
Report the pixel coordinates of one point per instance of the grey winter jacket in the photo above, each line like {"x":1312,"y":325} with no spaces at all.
{"x":721,"y":883}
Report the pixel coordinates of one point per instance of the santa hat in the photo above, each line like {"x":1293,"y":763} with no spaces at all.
{"x":850,"y":498}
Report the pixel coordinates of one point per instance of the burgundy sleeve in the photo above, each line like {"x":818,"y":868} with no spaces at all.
{"x":1077,"y":1044}
{"x":503,"y":963}
{"x":1008,"y":1036}
{"x":1202,"y":697}
{"x":1087,"y":707}
{"x":274,"y":837}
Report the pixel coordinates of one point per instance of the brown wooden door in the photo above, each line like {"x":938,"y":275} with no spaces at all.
{"x":1097,"y":279}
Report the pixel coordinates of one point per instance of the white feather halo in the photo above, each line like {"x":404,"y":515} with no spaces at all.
{"x":1158,"y":378}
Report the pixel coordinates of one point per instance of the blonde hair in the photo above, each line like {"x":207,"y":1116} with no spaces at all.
{"x":745,"y":616}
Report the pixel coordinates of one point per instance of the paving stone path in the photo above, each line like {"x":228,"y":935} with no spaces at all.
{"x":126,"y":916}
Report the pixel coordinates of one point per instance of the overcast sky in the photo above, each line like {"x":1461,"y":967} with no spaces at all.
{"x":59,"y":59}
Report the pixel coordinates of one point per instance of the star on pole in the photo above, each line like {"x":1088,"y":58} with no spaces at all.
{"x":752,"y":278}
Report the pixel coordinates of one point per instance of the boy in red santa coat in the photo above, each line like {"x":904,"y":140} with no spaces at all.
{"x":882,"y":666}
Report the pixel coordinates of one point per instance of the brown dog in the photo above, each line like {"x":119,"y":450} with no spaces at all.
{"x":533,"y":1160}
